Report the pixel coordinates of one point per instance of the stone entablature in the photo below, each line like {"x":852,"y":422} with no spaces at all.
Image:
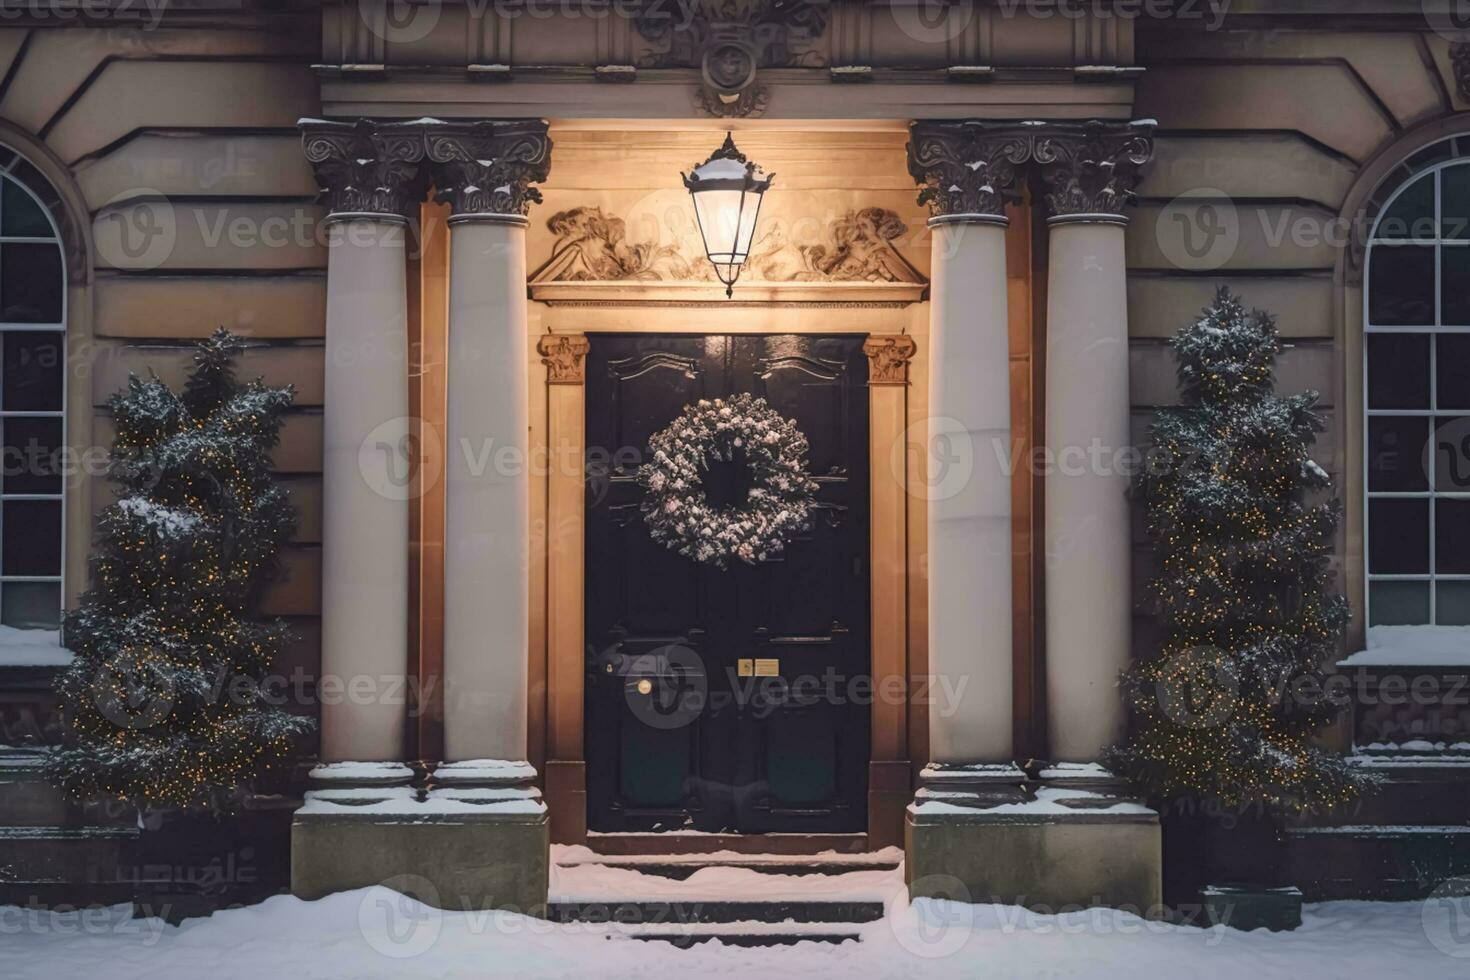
{"x":820,"y":35}
{"x":972,"y":169}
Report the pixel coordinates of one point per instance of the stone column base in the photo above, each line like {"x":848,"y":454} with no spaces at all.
{"x":457,"y":847}
{"x":1068,"y":840}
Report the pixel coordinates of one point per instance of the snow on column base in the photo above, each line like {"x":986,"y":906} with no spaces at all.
{"x":1072,"y":839}
{"x":476,"y":842}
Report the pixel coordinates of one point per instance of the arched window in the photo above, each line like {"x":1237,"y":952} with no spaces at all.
{"x":32,"y":399}
{"x":1417,"y":384}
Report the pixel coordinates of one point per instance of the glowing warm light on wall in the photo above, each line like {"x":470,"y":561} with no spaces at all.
{"x":727,"y":190}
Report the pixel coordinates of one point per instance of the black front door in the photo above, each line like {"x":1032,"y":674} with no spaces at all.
{"x":737,"y":700}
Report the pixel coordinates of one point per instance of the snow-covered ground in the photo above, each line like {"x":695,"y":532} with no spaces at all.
{"x":378,"y":933}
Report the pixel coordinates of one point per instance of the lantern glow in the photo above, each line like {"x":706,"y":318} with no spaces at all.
{"x":727,"y":190}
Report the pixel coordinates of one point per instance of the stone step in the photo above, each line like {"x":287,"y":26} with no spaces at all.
{"x":1416,"y":790}
{"x":1376,"y":861}
{"x":26,"y":799}
{"x":65,"y":866}
{"x":680,"y":867}
{"x":686,"y":912}
{"x":746,"y":934}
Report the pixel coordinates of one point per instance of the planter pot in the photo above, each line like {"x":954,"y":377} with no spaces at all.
{"x":1208,"y":845}
{"x":1248,"y":907}
{"x":190,"y":863}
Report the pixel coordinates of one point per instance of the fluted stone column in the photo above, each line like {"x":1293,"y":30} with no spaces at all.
{"x":982,"y":832}
{"x":1089,"y":173}
{"x":968,"y":172}
{"x":485,"y":171}
{"x":371,"y":176}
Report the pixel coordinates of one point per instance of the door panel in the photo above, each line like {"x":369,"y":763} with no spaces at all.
{"x":676,"y":736}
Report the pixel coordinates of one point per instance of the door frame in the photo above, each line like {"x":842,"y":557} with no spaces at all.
{"x":898,"y":719}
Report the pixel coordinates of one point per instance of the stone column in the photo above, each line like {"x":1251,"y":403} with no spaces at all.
{"x":1089,"y":172}
{"x":969,"y":171}
{"x":989,"y":832}
{"x":565,"y":778}
{"x":890,"y":778}
{"x":371,"y":179}
{"x":484,"y":170}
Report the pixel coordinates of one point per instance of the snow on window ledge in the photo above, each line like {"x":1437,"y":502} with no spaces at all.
{"x":1414,"y":646}
{"x":32,"y":648}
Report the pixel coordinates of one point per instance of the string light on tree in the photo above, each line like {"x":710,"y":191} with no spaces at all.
{"x":1244,"y":589}
{"x":164,"y":699}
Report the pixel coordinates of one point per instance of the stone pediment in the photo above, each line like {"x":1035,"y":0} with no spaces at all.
{"x":853,"y":259}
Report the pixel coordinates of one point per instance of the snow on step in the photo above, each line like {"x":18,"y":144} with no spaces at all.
{"x":747,"y":934}
{"x":601,"y":883}
{"x":575,"y":854}
{"x":683,"y":865}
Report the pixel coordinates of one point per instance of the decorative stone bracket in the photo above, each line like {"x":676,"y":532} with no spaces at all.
{"x":972,"y":169}
{"x":564,"y":356}
{"x":384,"y":168}
{"x":888,"y":358}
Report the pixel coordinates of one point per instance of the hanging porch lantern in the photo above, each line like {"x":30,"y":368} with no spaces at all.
{"x":727,"y":191}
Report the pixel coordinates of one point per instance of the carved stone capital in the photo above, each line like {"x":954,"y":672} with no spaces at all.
{"x":1460,"y":65}
{"x":888,"y":358}
{"x":487,"y":168}
{"x":365,"y":167}
{"x":968,"y":168}
{"x":1090,"y":169}
{"x":564,"y":356}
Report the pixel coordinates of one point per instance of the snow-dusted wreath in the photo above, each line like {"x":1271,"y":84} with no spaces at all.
{"x":777,"y":507}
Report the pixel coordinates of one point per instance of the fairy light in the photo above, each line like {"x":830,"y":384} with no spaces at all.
{"x":1243,"y":588}
{"x":181,"y":560}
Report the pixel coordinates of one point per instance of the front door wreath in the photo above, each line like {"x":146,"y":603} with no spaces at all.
{"x":777,"y":506}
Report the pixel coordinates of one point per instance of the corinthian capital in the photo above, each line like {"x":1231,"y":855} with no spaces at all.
{"x":1090,"y":169}
{"x":365,"y":167}
{"x":488,"y":167}
{"x":968,"y":168}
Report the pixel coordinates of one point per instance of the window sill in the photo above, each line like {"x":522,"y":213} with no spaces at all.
{"x":1413,"y":646}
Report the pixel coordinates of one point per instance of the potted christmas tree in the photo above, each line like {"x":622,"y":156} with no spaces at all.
{"x":165,"y":702}
{"x":1221,"y":736}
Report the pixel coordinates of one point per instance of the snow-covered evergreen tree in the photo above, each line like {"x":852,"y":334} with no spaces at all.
{"x":164,"y":703}
{"x":1228,"y":707}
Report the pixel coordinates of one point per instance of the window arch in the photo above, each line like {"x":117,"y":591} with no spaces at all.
{"x":33,"y":281}
{"x":1416,"y":378}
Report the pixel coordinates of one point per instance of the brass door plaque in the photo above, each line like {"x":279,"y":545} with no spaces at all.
{"x":768,"y":667}
{"x":746,"y":667}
